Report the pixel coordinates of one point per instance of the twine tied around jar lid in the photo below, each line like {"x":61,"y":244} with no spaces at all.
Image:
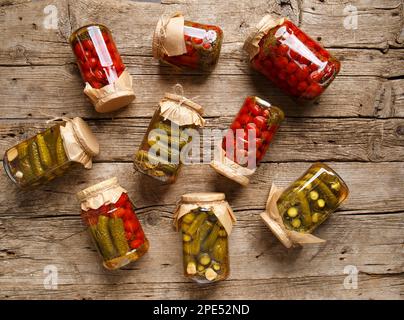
{"x":181,"y":110}
{"x":168,"y":38}
{"x":214,"y":200}
{"x":251,"y":44}
{"x":274,"y":222}
{"x":79,"y":141}
{"x":104,"y":192}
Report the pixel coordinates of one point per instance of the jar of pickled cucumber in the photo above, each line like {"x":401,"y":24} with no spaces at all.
{"x":293,"y":214}
{"x":108,"y":83}
{"x":111,"y":220}
{"x":187,"y":44}
{"x":51,"y":153}
{"x":205,"y":221}
{"x":293,"y":61}
{"x":247,"y":140}
{"x":171,"y":129}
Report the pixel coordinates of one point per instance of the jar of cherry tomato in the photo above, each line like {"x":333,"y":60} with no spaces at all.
{"x":111,"y":220}
{"x":247,"y":140}
{"x":292,"y":60}
{"x":187,"y":44}
{"x":108,"y":83}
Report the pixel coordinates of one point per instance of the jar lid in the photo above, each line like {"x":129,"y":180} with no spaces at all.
{"x":97,"y":188}
{"x":230,"y":172}
{"x":202,"y":196}
{"x":85,"y":137}
{"x":178,"y":98}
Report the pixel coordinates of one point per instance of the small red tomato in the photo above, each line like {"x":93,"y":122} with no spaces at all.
{"x":88,"y":44}
{"x":187,"y":37}
{"x":122,"y":200}
{"x":235,"y":125}
{"x":131,"y":225}
{"x":260,"y":121}
{"x":197,"y":40}
{"x":139,"y":234}
{"x":282,"y":75}
{"x":266,"y":136}
{"x":207,"y":45}
{"x":313,"y":67}
{"x":106,"y":37}
{"x":255,"y":110}
{"x":302,"y":73}
{"x":96,"y":84}
{"x":302,"y":86}
{"x":99,"y":75}
{"x":190,"y":49}
{"x":253,"y":127}
{"x":244,"y":119}
{"x":316,"y":76}
{"x":292,"y":67}
{"x":129,"y":215}
{"x":118,"y":213}
{"x":282,"y":50}
{"x":136,"y":243}
{"x":268,"y":64}
{"x":292,"y":80}
{"x":92,"y":62}
{"x":294,"y":55}
{"x":281,"y":62}
{"x":258,"y":143}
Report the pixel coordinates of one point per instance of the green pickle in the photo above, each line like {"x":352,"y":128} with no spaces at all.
{"x":118,"y":235}
{"x":206,"y":256}
{"x":104,"y":238}
{"x":312,"y":198}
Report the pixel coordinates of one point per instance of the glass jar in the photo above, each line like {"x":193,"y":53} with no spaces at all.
{"x":248,"y":139}
{"x":111,"y":220}
{"x":309,"y":201}
{"x":50,"y":153}
{"x":205,"y":221}
{"x":108,"y":83}
{"x":187,"y":44}
{"x":169,"y":131}
{"x":292,"y":60}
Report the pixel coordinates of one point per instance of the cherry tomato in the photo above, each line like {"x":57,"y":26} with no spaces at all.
{"x":128,"y":235}
{"x":253,"y":127}
{"x":207,"y":45}
{"x":92,"y":62}
{"x":302,"y":86}
{"x":235,"y":125}
{"x":118,"y":213}
{"x":266,"y":136}
{"x":88,"y":45}
{"x":260,"y":121}
{"x":255,"y":110}
{"x":136,"y":243}
{"x":244,"y":119}
{"x":197,"y":40}
{"x":122,"y":200}
{"x":302,"y":73}
{"x":281,"y":62}
{"x":131,"y":225}
{"x":291,"y":67}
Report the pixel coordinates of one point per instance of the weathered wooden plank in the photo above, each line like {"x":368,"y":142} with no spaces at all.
{"x":373,"y":187}
{"x":373,"y":244}
{"x":27,"y":41}
{"x":298,"y":139}
{"x":28,"y":91}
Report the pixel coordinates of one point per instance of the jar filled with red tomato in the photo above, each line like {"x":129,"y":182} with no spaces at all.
{"x":292,"y":60}
{"x":108,"y":83}
{"x":187,"y":44}
{"x":111,"y":220}
{"x":247,"y":140}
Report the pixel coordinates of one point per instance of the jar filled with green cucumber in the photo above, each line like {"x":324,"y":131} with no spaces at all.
{"x":170,"y":130}
{"x":309,"y":201}
{"x":51,"y":153}
{"x":205,"y":221}
{"x":111,"y":220}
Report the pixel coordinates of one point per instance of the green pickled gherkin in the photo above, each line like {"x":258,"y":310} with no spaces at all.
{"x":117,"y":231}
{"x":200,"y":218}
{"x":167,"y":141}
{"x":104,"y":238}
{"x":35,"y":159}
{"x":219,"y":251}
{"x":195,"y":246}
{"x":328,"y":194}
{"x":44,"y":154}
{"x":204,"y":230}
{"x":211,"y":238}
{"x":61,"y":157}
{"x":304,"y":206}
{"x":143,"y":159}
{"x":24,"y":163}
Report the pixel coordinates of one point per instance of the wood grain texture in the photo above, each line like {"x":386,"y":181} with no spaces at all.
{"x":357,"y":126}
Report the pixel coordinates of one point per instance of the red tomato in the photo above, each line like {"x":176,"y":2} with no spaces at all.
{"x":235,"y":125}
{"x":260,"y":121}
{"x":79,"y":52}
{"x":88,"y":45}
{"x":139,"y":234}
{"x":282,"y":50}
{"x":258,"y":143}
{"x":92,"y":62}
{"x":136,"y":243}
{"x":244,"y":119}
{"x":207,"y":45}
{"x":266,"y":136}
{"x":282,"y":75}
{"x":122,"y":200}
{"x":99,"y":75}
{"x":96,"y":84}
{"x":131,"y":225}
{"x":197,"y":40}
{"x":292,"y":80}
{"x":268,"y":64}
{"x":106,"y":38}
{"x":255,"y":110}
{"x":302,"y":86}
{"x":281,"y":62}
{"x":292,"y":67}
{"x":253,"y":127}
{"x":302,"y":73}
{"x":118,"y":213}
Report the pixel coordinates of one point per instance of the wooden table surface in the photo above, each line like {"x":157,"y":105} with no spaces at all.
{"x":357,"y":127}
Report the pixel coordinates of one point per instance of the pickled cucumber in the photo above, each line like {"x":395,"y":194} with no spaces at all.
{"x":34,"y":159}
{"x":61,"y":157}
{"x":197,"y":223}
{"x":211,"y":239}
{"x":44,"y":154}
{"x":104,"y":238}
{"x":117,"y":231}
{"x":219,"y":251}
